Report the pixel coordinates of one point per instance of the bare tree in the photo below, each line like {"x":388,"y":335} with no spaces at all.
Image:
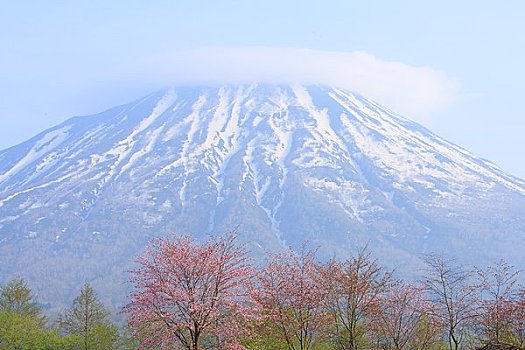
{"x":402,"y":320}
{"x":498,"y":307}
{"x":452,"y":291}
{"x":518,"y":325}
{"x":355,"y":289}
{"x":290,"y":293}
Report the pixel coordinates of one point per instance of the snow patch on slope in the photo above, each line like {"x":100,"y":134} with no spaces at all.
{"x":125,"y":147}
{"x":46,"y":144}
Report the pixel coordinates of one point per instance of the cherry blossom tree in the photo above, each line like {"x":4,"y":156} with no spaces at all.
{"x":290,"y":293}
{"x":187,"y":294}
{"x":355,"y":288}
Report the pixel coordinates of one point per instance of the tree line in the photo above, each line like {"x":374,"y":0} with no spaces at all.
{"x":83,"y":326}
{"x":210,"y":295}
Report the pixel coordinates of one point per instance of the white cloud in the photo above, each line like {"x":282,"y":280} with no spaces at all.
{"x":414,"y":91}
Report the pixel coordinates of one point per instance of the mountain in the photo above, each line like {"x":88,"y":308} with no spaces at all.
{"x":284,"y":164}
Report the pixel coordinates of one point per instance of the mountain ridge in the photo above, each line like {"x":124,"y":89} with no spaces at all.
{"x":287,"y":163}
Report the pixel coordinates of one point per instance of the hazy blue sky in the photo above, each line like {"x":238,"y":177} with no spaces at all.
{"x":455,"y":66}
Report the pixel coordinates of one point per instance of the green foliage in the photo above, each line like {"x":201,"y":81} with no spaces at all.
{"x":267,"y":336}
{"x":269,"y":342}
{"x":16,"y":297}
{"x":85,"y":326}
{"x":26,"y":332}
{"x":88,"y":320}
{"x":427,"y":335}
{"x":21,"y":322}
{"x":102,"y":336}
{"x":344,"y":340}
{"x":127,"y":341}
{"x":264,"y":342}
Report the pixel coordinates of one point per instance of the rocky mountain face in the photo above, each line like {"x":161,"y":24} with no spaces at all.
{"x":284,"y":164}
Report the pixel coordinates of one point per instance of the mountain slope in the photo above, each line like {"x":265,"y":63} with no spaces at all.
{"x":284,"y":163}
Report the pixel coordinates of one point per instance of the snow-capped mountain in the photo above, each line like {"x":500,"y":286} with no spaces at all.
{"x":284,"y":164}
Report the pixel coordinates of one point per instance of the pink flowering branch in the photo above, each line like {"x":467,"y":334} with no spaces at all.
{"x":186,"y":292}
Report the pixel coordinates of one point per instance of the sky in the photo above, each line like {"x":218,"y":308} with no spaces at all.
{"x":454,"y":66}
